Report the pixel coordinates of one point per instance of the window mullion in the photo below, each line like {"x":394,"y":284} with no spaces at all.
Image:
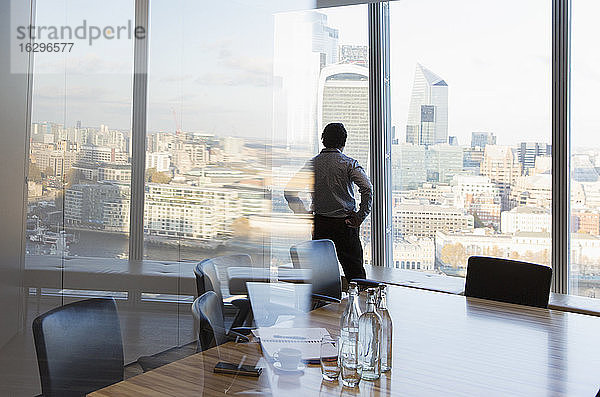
{"x":561,"y":144}
{"x":138,"y":133}
{"x":380,"y":129}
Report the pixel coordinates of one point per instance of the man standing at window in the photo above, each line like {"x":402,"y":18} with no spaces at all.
{"x":331,"y":175}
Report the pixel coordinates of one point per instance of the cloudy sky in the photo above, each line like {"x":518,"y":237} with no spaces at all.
{"x":211,"y":65}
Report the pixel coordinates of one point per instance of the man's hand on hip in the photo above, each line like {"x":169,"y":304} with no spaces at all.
{"x":353,"y":220}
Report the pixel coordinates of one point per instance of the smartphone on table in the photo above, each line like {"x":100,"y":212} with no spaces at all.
{"x":236,"y":369}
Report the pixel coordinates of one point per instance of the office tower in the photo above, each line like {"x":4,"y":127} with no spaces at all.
{"x":343,"y":97}
{"x":501,"y":165}
{"x":481,"y":139}
{"x":355,"y":54}
{"x":408,"y":166}
{"x":472,"y":157}
{"x":528,"y":151}
{"x":443,"y":162}
{"x":582,"y":169}
{"x":324,"y":39}
{"x":428,"y":111}
{"x":394,"y":138}
{"x":453,"y":140}
{"x":304,"y":44}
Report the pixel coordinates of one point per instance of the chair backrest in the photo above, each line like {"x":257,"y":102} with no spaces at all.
{"x":79,"y":347}
{"x":508,"y":280}
{"x":211,"y":278}
{"x":212,"y":267}
{"x":321,"y":258}
{"x":208,"y":311}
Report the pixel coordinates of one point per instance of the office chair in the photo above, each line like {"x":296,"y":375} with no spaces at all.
{"x":208,"y":278}
{"x":508,"y":280}
{"x":208,"y":311}
{"x":320,"y":256}
{"x":222,"y":263}
{"x":79,"y":347}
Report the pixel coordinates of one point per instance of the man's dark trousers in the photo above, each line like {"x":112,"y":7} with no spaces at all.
{"x":347,"y":244}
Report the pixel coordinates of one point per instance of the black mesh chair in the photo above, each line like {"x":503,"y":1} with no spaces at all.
{"x":507,"y":280}
{"x":207,"y":279}
{"x":79,"y":347}
{"x":208,"y":311}
{"x":321,"y":258}
{"x":221,"y":263}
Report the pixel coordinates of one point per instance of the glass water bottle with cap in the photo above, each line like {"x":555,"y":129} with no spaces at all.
{"x":386,"y":330}
{"x":349,"y":320}
{"x":369,"y":338}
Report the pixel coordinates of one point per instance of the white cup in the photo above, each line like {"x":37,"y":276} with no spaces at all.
{"x":289,"y":358}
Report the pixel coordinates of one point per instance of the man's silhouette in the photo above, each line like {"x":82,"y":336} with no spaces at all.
{"x":330,"y":176}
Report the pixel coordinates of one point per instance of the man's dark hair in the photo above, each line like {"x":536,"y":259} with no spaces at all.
{"x":334,"y":135}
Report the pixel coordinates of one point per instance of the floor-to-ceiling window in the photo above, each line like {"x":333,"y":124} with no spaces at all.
{"x":321,"y":75}
{"x":208,"y":129}
{"x":585,"y":152}
{"x":471,"y":144}
{"x":79,"y":160}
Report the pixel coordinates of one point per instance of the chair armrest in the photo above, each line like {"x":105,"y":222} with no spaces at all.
{"x":243,"y":330}
{"x":241,"y":303}
{"x":325,"y":298}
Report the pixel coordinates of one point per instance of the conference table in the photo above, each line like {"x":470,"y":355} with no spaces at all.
{"x":443,"y":344}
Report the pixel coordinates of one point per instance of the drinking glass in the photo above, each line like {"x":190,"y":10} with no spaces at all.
{"x":329,"y":358}
{"x":351,"y":370}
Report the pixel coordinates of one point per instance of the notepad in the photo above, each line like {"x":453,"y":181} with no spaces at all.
{"x":307,"y":340}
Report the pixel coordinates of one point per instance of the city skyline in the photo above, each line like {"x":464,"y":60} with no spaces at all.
{"x":466,"y":77}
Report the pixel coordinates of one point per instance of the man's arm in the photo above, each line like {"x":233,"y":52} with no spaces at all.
{"x":299,"y":183}
{"x":358,"y":176}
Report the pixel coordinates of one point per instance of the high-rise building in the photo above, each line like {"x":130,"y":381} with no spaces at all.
{"x":443,"y":162}
{"x":472,"y":157}
{"x":343,"y":97}
{"x":408,"y":166}
{"x":501,"y":165}
{"x":324,"y":39}
{"x":528,"y":151}
{"x":428,"y":111}
{"x":304,"y":44}
{"x":481,"y":139}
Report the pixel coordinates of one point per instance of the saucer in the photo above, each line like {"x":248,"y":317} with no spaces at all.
{"x":300,"y":368}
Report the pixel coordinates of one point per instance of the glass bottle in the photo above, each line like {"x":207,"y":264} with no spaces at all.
{"x":349,"y":320}
{"x":386,"y":330}
{"x":369,"y":338}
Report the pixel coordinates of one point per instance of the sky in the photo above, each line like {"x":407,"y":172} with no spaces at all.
{"x":210,"y":65}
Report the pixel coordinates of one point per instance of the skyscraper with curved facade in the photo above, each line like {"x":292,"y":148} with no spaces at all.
{"x":428,"y":110}
{"x":343,"y":97}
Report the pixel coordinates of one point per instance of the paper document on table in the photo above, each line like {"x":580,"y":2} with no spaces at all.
{"x":307,"y":340}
